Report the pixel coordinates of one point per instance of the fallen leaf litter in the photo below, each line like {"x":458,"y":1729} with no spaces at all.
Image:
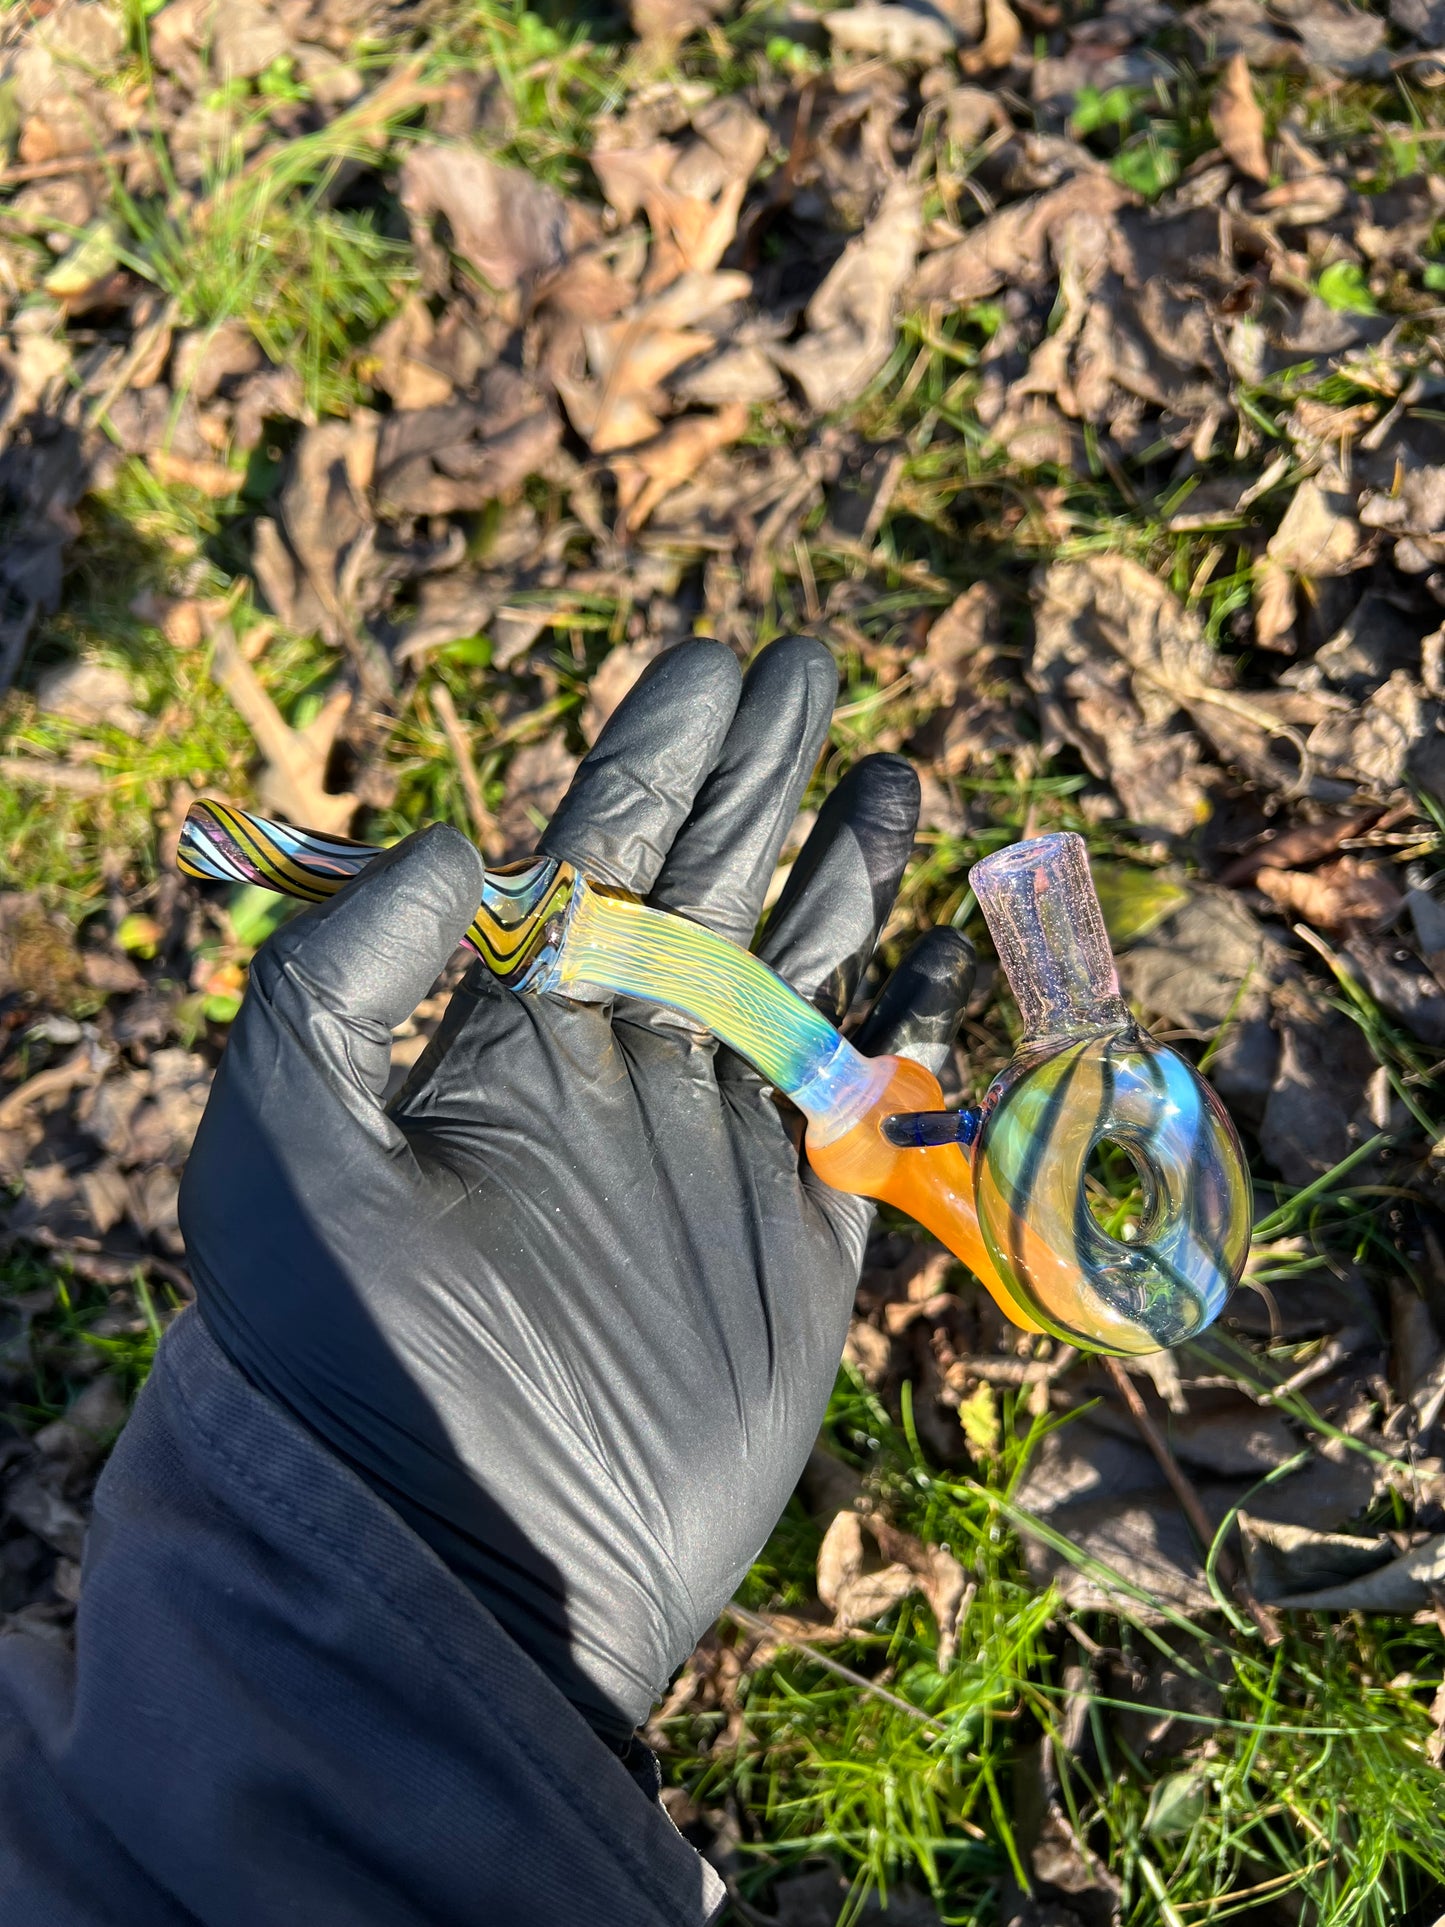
{"x":675,"y":384}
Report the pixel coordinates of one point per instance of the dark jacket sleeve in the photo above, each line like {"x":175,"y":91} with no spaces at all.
{"x":281,"y":1707}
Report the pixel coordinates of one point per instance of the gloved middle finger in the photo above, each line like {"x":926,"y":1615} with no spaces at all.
{"x":841,"y":889}
{"x":719,"y":867}
{"x":634,"y":789}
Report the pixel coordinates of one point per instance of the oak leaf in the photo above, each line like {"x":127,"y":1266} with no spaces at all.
{"x":646,"y":475}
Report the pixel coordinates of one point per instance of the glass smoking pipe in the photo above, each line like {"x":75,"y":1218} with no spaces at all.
{"x":1003,"y":1187}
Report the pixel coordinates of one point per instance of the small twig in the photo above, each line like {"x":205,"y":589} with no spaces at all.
{"x":53,"y":776}
{"x":1190,"y":1505}
{"x":66,"y":164}
{"x":1333,"y":1352}
{"x":484,"y":824}
{"x":759,"y":1623}
{"x":1399,"y":133}
{"x":176,"y":1275}
{"x":295,"y":758}
{"x":139,"y":349}
{"x":1020,"y":1371}
{"x":82,"y":1067}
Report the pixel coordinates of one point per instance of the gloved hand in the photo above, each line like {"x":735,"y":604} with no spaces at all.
{"x":571,"y":1303}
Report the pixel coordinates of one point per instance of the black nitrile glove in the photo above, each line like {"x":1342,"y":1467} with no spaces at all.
{"x":571,"y":1304}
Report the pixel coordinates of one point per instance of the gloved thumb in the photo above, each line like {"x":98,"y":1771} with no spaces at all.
{"x":918,"y":1011}
{"x":330,"y":987}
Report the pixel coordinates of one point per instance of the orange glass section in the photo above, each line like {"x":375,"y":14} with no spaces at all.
{"x":935,"y":1186}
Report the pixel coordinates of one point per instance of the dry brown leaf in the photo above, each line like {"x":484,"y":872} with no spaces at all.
{"x":872,"y":1593}
{"x":537,"y":778}
{"x":854,"y":1596}
{"x":939,"y":1576}
{"x":1373,"y":743}
{"x":690,"y":232}
{"x":213,"y":479}
{"x":1116,"y":657}
{"x":736,"y":134}
{"x":631,"y":357}
{"x":448,"y":608}
{"x":661,"y":24}
{"x":1319,"y":1087}
{"x":851,"y":319}
{"x":840,"y":1557}
{"x":401,"y":368}
{"x":743,"y":372}
{"x":1002,"y":38}
{"x":693,"y":298}
{"x":1403,"y":987}
{"x":1305,"y":843}
{"x":1013,"y":245}
{"x":587,"y":288}
{"x":1318,"y":535}
{"x":464,"y":454}
{"x":646,"y":475}
{"x":967,"y":626}
{"x":508,"y":225}
{"x":897,"y":34}
{"x":1435,"y":1746}
{"x":1274,"y":606}
{"x":329,"y":524}
{"x":84,"y":1066}
{"x":35,"y":368}
{"x":868,"y":1351}
{"x":1318,"y":538}
{"x":246,"y":38}
{"x":631,"y":176}
{"x":1337,"y":36}
{"x":607,"y":421}
{"x":1306,"y":202}
{"x":1344,"y":895}
{"x":206,"y":359}
{"x":91,"y":692}
{"x":968,"y":671}
{"x":1237,"y":119}
{"x":1300,"y":1567}
{"x":615,"y":675}
{"x":293,"y":779}
{"x":702,"y":231}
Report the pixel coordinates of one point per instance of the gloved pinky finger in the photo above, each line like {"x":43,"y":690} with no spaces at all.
{"x":918,"y":1011}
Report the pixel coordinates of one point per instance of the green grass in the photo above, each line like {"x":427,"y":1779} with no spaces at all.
{"x":77,"y":1329}
{"x":1302,"y":1771}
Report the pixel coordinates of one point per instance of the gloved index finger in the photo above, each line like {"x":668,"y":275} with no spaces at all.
{"x":632,"y":792}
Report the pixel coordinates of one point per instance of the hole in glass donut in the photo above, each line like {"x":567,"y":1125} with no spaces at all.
{"x":1121,"y":1190}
